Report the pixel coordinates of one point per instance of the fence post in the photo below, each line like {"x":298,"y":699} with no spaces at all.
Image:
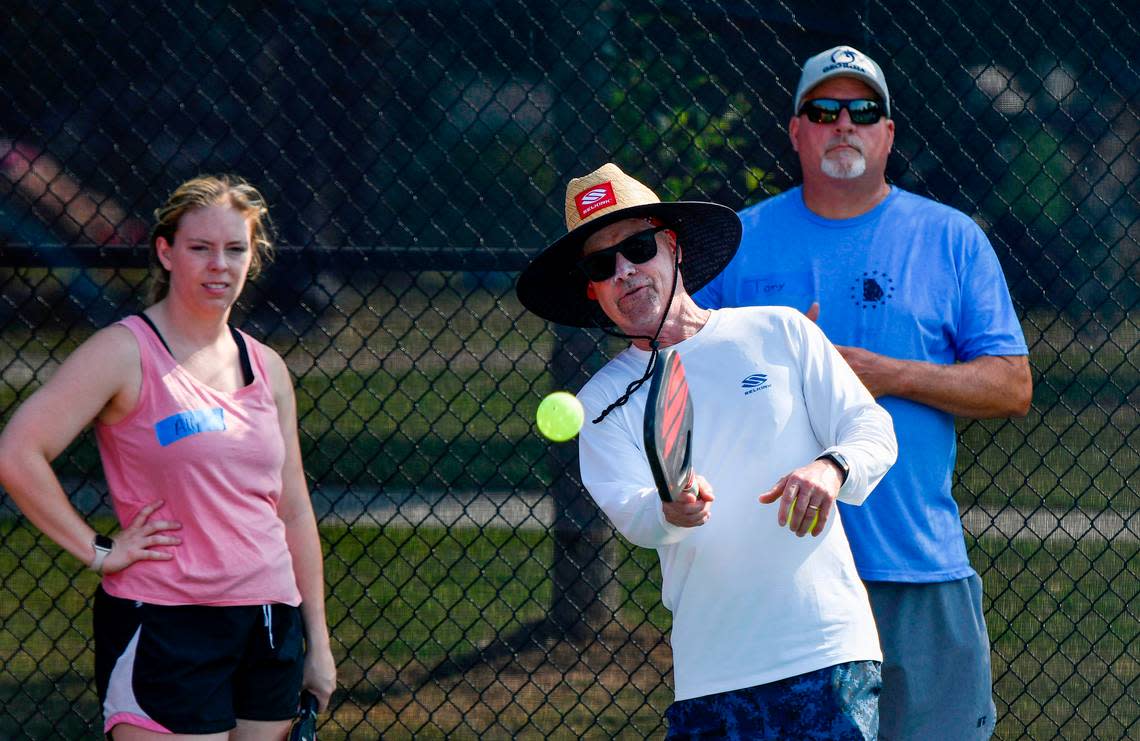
{"x":582,"y":568}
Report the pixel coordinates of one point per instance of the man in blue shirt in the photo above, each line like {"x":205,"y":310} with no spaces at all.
{"x":913,"y":296}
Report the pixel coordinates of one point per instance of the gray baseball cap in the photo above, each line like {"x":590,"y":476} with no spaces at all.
{"x":842,"y":61}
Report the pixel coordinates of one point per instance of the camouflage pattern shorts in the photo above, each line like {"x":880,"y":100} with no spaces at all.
{"x":834,"y":704}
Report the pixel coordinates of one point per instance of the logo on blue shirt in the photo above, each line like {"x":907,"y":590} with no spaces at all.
{"x":755,"y":382}
{"x":184,"y":424}
{"x":872,"y":289}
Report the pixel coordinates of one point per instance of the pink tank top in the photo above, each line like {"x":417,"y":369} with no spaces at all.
{"x":215,"y":458}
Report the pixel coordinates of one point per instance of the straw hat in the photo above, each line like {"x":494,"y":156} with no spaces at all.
{"x":553,"y":286}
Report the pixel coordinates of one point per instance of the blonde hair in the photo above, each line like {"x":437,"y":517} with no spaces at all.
{"x":201,"y":192}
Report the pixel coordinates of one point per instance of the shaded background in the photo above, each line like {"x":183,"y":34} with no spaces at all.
{"x":415,"y":155}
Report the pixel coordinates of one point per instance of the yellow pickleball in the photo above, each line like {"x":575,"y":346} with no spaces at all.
{"x":560,"y":416}
{"x":814,"y":520}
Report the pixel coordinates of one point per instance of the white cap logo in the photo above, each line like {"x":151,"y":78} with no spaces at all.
{"x":843,"y":56}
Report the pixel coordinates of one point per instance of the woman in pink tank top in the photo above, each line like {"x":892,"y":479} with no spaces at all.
{"x":211,"y":612}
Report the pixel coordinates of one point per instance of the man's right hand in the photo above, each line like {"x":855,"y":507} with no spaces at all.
{"x":693,"y":508}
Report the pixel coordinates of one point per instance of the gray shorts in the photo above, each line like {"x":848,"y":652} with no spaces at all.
{"x":936,"y":661}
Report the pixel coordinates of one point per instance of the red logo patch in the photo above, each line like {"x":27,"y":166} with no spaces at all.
{"x":594,"y":199}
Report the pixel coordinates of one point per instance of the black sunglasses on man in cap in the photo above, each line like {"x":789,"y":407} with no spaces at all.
{"x":863,"y":111}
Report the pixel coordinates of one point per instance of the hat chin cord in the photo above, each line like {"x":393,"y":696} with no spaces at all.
{"x":654,"y":345}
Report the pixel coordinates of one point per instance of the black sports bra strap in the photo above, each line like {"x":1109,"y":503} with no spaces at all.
{"x":243,"y":356}
{"x":243,"y":351}
{"x":154,"y":329}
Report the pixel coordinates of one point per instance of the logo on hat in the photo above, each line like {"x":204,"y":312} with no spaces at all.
{"x":598,"y":197}
{"x":847,"y":59}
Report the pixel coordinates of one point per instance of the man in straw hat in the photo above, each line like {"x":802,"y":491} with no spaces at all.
{"x":773,"y":636}
{"x":913,"y":294}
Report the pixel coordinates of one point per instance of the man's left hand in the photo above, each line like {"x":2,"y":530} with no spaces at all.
{"x":814,"y":487}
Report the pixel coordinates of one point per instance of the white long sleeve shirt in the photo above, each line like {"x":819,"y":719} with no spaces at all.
{"x":751,"y":602}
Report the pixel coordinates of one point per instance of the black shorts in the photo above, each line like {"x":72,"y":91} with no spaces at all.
{"x":196,"y":668}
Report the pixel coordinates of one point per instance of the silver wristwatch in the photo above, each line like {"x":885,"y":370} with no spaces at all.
{"x":102,"y":545}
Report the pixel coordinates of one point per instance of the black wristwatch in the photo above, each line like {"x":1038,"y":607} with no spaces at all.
{"x":839,"y":460}
{"x":102,"y":545}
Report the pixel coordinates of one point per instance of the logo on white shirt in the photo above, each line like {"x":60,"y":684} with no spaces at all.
{"x":755,"y":382}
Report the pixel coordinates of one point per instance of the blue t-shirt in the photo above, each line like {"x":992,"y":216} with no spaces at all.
{"x":912,"y":279}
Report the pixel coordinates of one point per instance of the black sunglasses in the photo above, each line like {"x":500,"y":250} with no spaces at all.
{"x":638,"y":248}
{"x":863,"y":111}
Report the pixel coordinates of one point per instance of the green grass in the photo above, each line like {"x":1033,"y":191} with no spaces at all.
{"x":1063,"y":618}
{"x":45,"y":629}
{"x":417,"y":430}
{"x":1054,"y":457}
{"x":421,"y":382}
{"x":470,"y":429}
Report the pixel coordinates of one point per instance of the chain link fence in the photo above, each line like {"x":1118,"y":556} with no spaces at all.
{"x":415,"y":154}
